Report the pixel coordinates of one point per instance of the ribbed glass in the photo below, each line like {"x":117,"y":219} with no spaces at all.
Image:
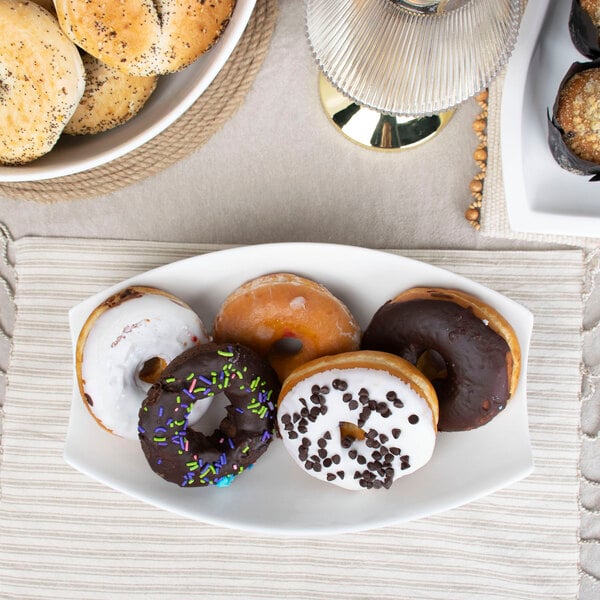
{"x":403,"y":61}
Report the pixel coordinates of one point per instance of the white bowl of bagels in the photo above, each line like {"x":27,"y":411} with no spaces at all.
{"x":34,"y":74}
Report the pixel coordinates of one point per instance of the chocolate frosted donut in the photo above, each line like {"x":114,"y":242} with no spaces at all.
{"x":467,"y":349}
{"x":187,"y":457}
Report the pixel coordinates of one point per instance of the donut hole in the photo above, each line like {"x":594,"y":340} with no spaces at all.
{"x":152,"y":369}
{"x":207,"y":413}
{"x":432,"y":364}
{"x":350,"y":432}
{"x":286,"y":346}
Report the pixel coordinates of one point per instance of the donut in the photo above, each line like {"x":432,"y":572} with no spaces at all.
{"x":111,"y":98}
{"x":123,"y":346}
{"x":269,"y":312}
{"x":465,"y":346}
{"x":358,"y":420}
{"x":143,"y":37}
{"x":190,"y":458}
{"x":41,"y":81}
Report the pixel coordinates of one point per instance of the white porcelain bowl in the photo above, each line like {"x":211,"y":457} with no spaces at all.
{"x":174,"y":94}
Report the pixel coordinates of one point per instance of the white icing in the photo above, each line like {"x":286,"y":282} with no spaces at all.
{"x":416,"y":441}
{"x":120,"y":342}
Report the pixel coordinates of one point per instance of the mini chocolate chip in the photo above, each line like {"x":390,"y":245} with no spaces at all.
{"x":327,"y":462}
{"x":327,"y":435}
{"x":353,"y":405}
{"x":317,"y":467}
{"x":308,"y":465}
{"x":396,"y":433}
{"x":296,"y":417}
{"x":322,"y":442}
{"x":382,"y":407}
{"x":341,"y":474}
{"x":315,"y":458}
{"x":391,"y":395}
{"x":398,"y":404}
{"x":387,"y":484}
{"x":357,"y":474}
{"x":288,"y":426}
{"x":347,"y":397}
{"x":304,"y":412}
{"x":377,"y":484}
{"x":315,"y":389}
{"x":302,"y":429}
{"x":330,"y":476}
{"x":361,"y":459}
{"x":306,"y":442}
{"x":293,"y":435}
{"x":395,"y":451}
{"x":303,"y":402}
{"x":324,"y":410}
{"x":339,"y":384}
{"x":362,"y":483}
{"x":324,"y":390}
{"x":404,"y":466}
{"x":413,"y":419}
{"x":372,"y":405}
{"x":89,"y":400}
{"x":322,"y":452}
{"x":347,"y":441}
{"x":302,"y":453}
{"x":286,"y":418}
{"x":376,"y":455}
{"x":353,"y":454}
{"x":336,"y":459}
{"x":383,"y":438}
{"x":315,"y":399}
{"x":371,"y":434}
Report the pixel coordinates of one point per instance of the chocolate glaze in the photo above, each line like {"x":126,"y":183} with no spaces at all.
{"x":476,"y":386}
{"x":187,"y":457}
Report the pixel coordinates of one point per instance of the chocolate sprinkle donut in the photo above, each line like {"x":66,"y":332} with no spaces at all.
{"x":181,"y":455}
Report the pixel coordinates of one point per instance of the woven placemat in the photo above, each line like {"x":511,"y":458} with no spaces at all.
{"x":193,"y":129}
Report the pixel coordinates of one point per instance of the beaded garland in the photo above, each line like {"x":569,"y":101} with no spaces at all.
{"x":190,"y":458}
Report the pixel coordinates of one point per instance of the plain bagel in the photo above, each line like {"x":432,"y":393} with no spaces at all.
{"x":41,"y":81}
{"x":144,"y":37}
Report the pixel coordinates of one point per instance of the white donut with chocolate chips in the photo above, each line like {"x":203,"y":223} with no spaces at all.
{"x":359,"y":420}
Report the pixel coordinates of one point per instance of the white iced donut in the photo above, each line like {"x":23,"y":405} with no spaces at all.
{"x":359,"y":420}
{"x":123,"y":347}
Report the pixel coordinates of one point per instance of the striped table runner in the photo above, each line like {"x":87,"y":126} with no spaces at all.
{"x":63,"y":535}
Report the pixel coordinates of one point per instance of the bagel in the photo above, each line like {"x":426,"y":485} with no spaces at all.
{"x":41,"y":81}
{"x":111,"y":98}
{"x":144,"y":37}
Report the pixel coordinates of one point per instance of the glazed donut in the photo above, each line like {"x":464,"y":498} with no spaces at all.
{"x":465,"y":346}
{"x":278,"y":307}
{"x":41,"y":81}
{"x":122,"y":348}
{"x":359,"y":420}
{"x":143,"y":37}
{"x":190,"y":458}
{"x":111,"y":98}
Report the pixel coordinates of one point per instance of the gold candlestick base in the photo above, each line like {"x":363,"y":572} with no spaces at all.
{"x":375,"y":130}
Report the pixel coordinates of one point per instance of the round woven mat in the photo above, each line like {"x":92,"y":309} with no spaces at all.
{"x":193,"y":129}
